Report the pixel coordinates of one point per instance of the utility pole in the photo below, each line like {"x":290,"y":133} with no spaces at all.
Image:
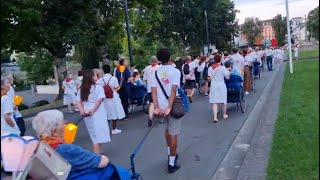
{"x":128,"y":31}
{"x":289,"y":37}
{"x":207,"y":28}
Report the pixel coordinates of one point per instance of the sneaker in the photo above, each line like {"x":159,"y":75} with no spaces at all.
{"x":149,"y":122}
{"x":175,"y":167}
{"x":115,"y":131}
{"x":247,"y":92}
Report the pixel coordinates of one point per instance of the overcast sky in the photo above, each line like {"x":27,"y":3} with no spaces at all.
{"x":267,"y":9}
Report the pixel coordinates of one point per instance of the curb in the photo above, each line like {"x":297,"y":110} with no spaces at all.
{"x":230,"y":165}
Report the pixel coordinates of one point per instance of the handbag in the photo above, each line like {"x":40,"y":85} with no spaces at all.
{"x":177,"y":110}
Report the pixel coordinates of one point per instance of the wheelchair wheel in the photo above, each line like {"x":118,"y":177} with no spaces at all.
{"x":146,"y":103}
{"x":242,"y":103}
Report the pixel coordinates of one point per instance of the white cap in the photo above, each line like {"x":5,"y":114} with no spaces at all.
{"x":135,"y":70}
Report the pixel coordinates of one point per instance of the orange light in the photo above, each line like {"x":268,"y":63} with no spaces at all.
{"x":17,"y":100}
{"x":70,"y":132}
{"x":121,"y":68}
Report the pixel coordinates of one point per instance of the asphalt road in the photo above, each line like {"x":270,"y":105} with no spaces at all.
{"x":202,"y":144}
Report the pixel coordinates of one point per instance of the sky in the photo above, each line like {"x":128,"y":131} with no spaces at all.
{"x":267,"y":9}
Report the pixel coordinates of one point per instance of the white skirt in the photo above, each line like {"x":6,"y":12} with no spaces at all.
{"x":218,"y":93}
{"x":98,"y":127}
{"x":69,"y":98}
{"x":114,"y":108}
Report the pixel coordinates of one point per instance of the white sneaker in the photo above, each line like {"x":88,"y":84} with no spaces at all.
{"x":247,"y":92}
{"x":116,"y":131}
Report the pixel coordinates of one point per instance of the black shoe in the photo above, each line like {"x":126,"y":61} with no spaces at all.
{"x":175,"y":167}
{"x":149,"y":122}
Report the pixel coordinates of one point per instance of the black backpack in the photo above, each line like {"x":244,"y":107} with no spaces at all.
{"x":186,"y":69}
{"x":205,"y":72}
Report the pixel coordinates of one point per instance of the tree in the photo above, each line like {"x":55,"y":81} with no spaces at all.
{"x":280,"y":27}
{"x":251,"y":28}
{"x":39,"y":66}
{"x":313,"y":23}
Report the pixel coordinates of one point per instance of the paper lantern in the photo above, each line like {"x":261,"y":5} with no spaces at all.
{"x":17,"y":100}
{"x":70,"y":132}
{"x":121,"y":68}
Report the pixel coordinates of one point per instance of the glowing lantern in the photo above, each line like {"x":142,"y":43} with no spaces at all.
{"x":70,"y":132}
{"x":121,"y":68}
{"x":17,"y":100}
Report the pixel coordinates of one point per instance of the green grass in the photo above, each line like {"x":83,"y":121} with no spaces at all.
{"x":309,"y":53}
{"x":295,"y":149}
{"x":41,"y":108}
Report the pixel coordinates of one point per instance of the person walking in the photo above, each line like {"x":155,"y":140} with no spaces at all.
{"x":218,"y":89}
{"x":8,"y":124}
{"x":113,"y":105}
{"x":247,"y":75}
{"x":268,"y":53}
{"x":122,"y":73}
{"x":167,"y":80}
{"x":188,"y":71}
{"x":17,"y":116}
{"x":70,"y":92}
{"x":91,"y":107}
{"x":147,"y":77}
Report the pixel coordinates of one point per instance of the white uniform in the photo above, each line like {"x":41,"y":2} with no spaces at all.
{"x":70,"y":90}
{"x":113,"y":105}
{"x":238,"y":62}
{"x":218,"y":88}
{"x":148,"y":74}
{"x":6,"y":107}
{"x":97,"y":124}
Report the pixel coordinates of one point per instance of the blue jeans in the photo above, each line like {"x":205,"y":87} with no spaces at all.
{"x":269,"y":62}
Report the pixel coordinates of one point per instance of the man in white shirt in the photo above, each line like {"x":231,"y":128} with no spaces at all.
{"x":16,"y":114}
{"x":268,"y":53}
{"x":8,"y":124}
{"x":237,"y":60}
{"x":169,"y":78}
{"x":147,"y":78}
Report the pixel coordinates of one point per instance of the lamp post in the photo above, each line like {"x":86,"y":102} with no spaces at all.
{"x":289,"y":38}
{"x":128,"y":31}
{"x":207,"y":28}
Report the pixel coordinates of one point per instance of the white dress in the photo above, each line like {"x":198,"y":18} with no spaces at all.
{"x":97,"y":124}
{"x":218,"y":89}
{"x":70,"y":90}
{"x":113,"y":106}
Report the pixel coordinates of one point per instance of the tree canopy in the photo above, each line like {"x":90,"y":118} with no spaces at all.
{"x":251,"y":28}
{"x":280,"y":28}
{"x":313,"y":23}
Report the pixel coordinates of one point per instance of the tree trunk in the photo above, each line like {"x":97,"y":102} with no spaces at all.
{"x":60,"y":74}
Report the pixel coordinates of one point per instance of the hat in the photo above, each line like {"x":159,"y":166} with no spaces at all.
{"x":135,"y":70}
{"x":215,"y":51}
{"x":211,"y":57}
{"x":153,"y":59}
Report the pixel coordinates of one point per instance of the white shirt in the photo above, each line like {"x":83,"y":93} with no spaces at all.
{"x":11,"y":95}
{"x":247,"y":60}
{"x":195,"y":62}
{"x":111,"y":81}
{"x":238,"y":61}
{"x":257,"y":56}
{"x":148,"y":75}
{"x":190,"y":76}
{"x":69,"y":87}
{"x":168,"y":76}
{"x":268,"y":52}
{"x":6,"y":107}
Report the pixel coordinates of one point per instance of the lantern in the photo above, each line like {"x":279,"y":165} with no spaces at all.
{"x":70,"y":132}
{"x":17,"y":100}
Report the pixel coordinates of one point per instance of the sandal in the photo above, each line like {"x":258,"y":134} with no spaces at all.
{"x":225,"y":116}
{"x":215,"y":120}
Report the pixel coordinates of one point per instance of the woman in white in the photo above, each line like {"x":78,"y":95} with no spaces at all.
{"x":8,"y":124}
{"x":70,"y":92}
{"x":113,"y":105}
{"x":89,"y":102}
{"x":218,"y":89}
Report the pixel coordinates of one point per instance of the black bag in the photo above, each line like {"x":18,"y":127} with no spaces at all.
{"x":186,"y":69}
{"x":177,"y":110}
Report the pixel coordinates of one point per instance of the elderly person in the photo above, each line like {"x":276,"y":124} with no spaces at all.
{"x":218,"y":89}
{"x":8,"y":124}
{"x":49,"y":126}
{"x":11,"y":94}
{"x":235,"y":79}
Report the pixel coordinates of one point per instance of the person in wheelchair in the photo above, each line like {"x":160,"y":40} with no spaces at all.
{"x":236,"y":79}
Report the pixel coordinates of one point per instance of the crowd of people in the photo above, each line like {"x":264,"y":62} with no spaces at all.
{"x":102,"y":95}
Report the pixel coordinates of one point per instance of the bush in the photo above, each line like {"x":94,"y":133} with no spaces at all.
{"x":23,"y":107}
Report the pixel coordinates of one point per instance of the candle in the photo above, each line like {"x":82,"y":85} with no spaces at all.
{"x":70,"y":132}
{"x":17,"y":100}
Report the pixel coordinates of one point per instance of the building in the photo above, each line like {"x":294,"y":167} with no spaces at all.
{"x":267,"y":29}
{"x":298,"y":29}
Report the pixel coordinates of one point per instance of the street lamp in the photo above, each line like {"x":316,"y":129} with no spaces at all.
{"x":128,"y":31}
{"x":289,"y":38}
{"x":207,"y":28}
